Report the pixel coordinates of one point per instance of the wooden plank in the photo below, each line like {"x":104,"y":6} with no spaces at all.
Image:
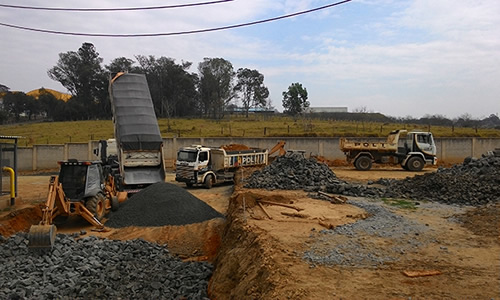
{"x":421,"y":273}
{"x":280,"y":204}
{"x":264,"y":210}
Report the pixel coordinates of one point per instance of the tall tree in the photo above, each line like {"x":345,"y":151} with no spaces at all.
{"x":295,"y":99}
{"x":215,"y":86}
{"x":172,"y":87}
{"x":120,"y":64}
{"x":82,"y":75}
{"x":250,"y":86}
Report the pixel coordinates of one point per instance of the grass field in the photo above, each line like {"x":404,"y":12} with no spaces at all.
{"x":254,"y":126}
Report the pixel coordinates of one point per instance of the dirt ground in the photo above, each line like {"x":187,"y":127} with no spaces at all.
{"x":261,"y":248}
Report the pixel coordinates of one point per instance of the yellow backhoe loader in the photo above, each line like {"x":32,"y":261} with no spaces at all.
{"x":82,"y":188}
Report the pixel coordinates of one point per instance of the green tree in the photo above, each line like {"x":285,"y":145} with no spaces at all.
{"x":19,"y":103}
{"x":295,"y":99}
{"x":215,"y":86}
{"x":49,"y":104}
{"x":120,"y":64}
{"x":172,"y":87}
{"x":250,"y":86}
{"x":82,"y":75}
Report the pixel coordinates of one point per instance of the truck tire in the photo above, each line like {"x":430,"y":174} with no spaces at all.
{"x":96,"y":206}
{"x":363,"y":163}
{"x":415,"y":163}
{"x":208,"y":181}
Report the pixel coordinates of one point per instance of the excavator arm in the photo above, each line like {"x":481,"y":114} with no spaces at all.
{"x":42,"y":236}
{"x":279,"y":147}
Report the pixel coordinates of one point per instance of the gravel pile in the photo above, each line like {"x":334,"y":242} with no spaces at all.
{"x":474,"y":182}
{"x":359,"y":244}
{"x":93,"y":268}
{"x":162,"y":204}
{"x":292,"y":172}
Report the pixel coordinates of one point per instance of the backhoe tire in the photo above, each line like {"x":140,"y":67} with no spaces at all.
{"x":96,"y":206}
{"x":363,"y":163}
{"x":208,"y":181}
{"x":114,"y":203}
{"x":415,"y":164}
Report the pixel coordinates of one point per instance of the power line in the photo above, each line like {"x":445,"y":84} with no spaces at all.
{"x":175,"y":33}
{"x":113,"y":9}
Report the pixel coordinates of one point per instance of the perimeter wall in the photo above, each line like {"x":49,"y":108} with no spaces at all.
{"x":449,"y":150}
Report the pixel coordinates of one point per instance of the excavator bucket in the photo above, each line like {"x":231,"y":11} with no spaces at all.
{"x":42,"y":237}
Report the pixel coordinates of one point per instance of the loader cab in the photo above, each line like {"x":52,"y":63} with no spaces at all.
{"x":80,"y":179}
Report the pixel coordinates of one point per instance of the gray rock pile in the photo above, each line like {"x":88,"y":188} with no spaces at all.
{"x":162,"y":204}
{"x":292,"y":172}
{"x":474,"y":182}
{"x":93,"y":268}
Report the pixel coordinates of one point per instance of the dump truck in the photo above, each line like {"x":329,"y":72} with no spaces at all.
{"x":82,"y":188}
{"x":200,"y":165}
{"x":139,"y":145}
{"x":412,"y":150}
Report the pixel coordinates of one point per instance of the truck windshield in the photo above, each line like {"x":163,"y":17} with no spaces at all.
{"x":189,"y":156}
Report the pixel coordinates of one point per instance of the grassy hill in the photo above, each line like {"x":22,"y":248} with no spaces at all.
{"x":58,"y":95}
{"x":254,"y":126}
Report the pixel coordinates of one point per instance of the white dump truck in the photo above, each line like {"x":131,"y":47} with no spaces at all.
{"x":411,"y":152}
{"x":198,"y":164}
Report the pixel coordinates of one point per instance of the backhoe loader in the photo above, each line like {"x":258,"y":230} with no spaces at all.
{"x":83,"y":188}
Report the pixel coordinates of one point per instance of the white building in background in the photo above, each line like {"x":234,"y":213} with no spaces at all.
{"x":326,"y":109}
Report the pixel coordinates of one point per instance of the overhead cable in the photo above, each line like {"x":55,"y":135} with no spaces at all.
{"x":174,"y":33}
{"x":113,"y":9}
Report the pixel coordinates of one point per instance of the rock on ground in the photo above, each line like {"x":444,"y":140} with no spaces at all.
{"x":94,"y":268}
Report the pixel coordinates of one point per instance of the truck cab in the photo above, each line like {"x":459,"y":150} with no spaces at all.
{"x":419,"y":149}
{"x":192,"y":166}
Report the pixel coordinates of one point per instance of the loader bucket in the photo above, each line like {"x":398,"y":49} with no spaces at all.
{"x":42,"y":237}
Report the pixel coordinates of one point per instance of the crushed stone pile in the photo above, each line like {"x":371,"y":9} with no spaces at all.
{"x":162,"y":204}
{"x":475,"y":182}
{"x":292,"y":172}
{"x":94,"y":268}
{"x":358,"y":244}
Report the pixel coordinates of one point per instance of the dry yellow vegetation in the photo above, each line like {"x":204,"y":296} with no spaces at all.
{"x":254,"y":126}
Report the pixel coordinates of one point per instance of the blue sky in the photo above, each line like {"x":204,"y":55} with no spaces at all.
{"x":400,"y":58}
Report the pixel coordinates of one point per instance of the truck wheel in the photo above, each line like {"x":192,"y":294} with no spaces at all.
{"x":208,"y":181}
{"x":415,"y":163}
{"x":363,"y":163}
{"x":95,"y":205}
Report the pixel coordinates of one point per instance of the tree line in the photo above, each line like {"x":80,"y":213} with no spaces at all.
{"x":175,"y":91}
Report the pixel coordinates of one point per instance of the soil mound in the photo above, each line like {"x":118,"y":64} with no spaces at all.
{"x":292,"y":172}
{"x":162,"y":204}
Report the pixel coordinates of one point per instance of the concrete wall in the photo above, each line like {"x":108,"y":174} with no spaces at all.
{"x":449,"y":150}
